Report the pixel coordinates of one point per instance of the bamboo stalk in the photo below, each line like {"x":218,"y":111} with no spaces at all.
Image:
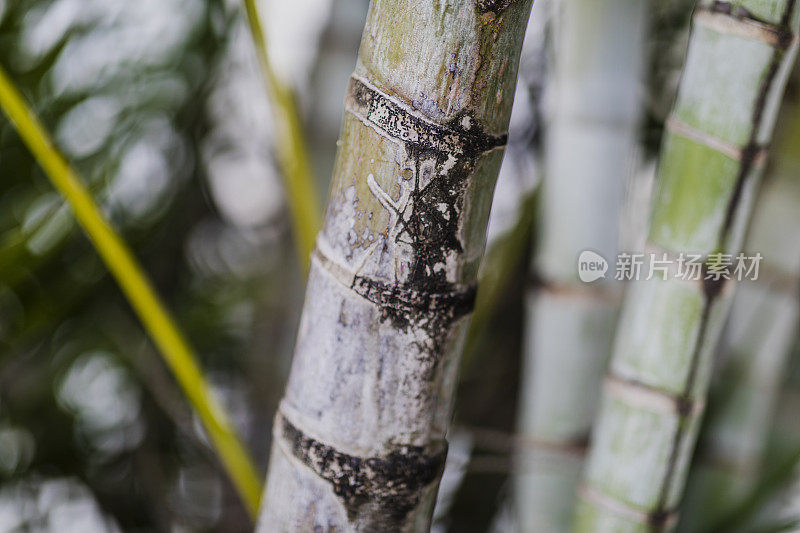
{"x":755,"y":347}
{"x":140,"y":294}
{"x":589,"y":149}
{"x":712,"y":156}
{"x":515,"y":197}
{"x":359,"y":439}
{"x":290,"y":145}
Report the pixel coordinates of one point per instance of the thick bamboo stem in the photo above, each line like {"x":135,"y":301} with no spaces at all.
{"x":589,"y":150}
{"x":740,"y":53}
{"x":359,"y":437}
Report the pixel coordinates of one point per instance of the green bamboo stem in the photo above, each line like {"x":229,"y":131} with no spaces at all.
{"x":755,"y":347}
{"x":589,"y":150}
{"x":712,"y":156}
{"x":290,"y":145}
{"x":359,"y":437}
{"x":138,"y":290}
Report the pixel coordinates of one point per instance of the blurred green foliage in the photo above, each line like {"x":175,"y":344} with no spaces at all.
{"x":86,"y":407}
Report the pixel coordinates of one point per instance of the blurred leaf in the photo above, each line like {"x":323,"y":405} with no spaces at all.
{"x":776,"y":475}
{"x":499,"y":266}
{"x":140,"y":294}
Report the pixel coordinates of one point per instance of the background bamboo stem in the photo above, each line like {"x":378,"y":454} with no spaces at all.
{"x":589,"y":150}
{"x":290,"y":145}
{"x":755,"y":346}
{"x":711,"y":159}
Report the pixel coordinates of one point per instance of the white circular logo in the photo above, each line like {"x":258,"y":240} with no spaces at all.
{"x":591,"y":266}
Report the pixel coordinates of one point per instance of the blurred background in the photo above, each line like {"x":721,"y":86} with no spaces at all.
{"x":160,"y":106}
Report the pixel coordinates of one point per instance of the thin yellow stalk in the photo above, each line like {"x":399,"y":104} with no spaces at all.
{"x":290,"y":146}
{"x":139,"y":292}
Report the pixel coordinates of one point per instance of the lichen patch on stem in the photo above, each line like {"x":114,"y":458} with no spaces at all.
{"x":392,"y":118}
{"x":427,"y":219}
{"x":399,"y":302}
{"x":393,"y":480}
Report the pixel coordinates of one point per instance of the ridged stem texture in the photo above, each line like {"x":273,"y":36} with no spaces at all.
{"x":712,"y":155}
{"x":756,"y":345}
{"x":359,"y":439}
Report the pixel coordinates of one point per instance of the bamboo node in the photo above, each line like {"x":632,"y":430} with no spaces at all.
{"x":755,"y":154}
{"x":722,"y":17}
{"x":391,"y":482}
{"x":493,"y":6}
{"x":461,"y":137}
{"x":648,"y":397}
{"x":660,"y":519}
{"x":458,"y":300}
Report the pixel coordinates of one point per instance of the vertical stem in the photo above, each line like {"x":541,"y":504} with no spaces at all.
{"x":755,"y":347}
{"x":712,"y":156}
{"x":293,"y":157}
{"x":140,"y":294}
{"x":359,"y":437}
{"x":589,"y":149}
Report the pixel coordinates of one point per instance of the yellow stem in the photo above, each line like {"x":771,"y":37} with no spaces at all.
{"x":139,"y":292}
{"x":289,"y":145}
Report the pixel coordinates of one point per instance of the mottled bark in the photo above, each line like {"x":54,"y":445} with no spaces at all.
{"x":359,"y":439}
{"x":711,"y":158}
{"x":589,"y":149}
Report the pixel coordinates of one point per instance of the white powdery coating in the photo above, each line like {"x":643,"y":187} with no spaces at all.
{"x":359,"y":441}
{"x":349,"y":365}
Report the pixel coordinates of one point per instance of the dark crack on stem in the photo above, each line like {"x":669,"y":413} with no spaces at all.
{"x":442,"y":158}
{"x":398,"y":302}
{"x":460,"y":136}
{"x":493,"y":6}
